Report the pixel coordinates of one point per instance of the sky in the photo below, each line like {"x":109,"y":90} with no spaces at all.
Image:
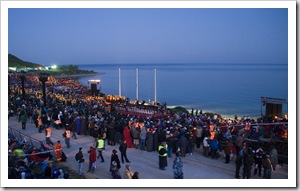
{"x":179,"y":35}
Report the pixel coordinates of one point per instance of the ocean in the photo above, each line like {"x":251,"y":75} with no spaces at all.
{"x":226,"y":89}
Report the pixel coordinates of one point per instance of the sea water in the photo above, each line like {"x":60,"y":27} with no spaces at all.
{"x":226,"y":89}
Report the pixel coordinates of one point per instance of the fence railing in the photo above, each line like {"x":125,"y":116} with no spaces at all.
{"x":25,"y":138}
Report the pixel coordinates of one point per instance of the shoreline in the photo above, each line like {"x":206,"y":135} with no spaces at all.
{"x":76,"y":75}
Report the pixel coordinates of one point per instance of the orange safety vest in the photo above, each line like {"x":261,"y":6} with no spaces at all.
{"x":68,"y":134}
{"x":48,"y":132}
{"x":247,"y":127}
{"x":39,"y":121}
{"x":212,"y":135}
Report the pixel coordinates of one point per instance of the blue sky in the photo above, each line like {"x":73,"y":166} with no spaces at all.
{"x":195,"y":35}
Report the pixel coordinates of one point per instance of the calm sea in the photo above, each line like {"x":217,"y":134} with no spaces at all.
{"x":227,"y":89}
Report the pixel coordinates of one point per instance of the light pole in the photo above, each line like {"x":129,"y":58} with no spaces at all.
{"x":9,"y":79}
{"x":22,"y":77}
{"x":44,"y":78}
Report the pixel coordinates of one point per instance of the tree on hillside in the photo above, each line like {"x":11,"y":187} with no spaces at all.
{"x":73,"y":67}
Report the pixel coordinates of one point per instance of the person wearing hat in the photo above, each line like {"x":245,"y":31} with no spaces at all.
{"x":128,"y":173}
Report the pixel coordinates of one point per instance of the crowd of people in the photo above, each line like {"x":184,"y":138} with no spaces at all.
{"x":79,"y":114}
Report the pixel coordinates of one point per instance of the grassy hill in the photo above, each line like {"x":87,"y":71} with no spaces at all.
{"x":14,"y":61}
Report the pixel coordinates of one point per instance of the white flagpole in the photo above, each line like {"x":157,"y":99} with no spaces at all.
{"x":137,"y":84}
{"x":154,"y":86}
{"x":119,"y":82}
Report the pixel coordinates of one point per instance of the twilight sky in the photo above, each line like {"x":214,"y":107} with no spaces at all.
{"x":110,"y":35}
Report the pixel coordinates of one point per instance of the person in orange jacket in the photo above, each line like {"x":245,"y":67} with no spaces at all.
{"x":58,"y":151}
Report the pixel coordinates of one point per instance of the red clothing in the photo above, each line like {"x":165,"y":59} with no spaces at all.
{"x":127,"y":137}
{"x":36,"y":158}
{"x":93,"y":155}
{"x":58,"y":152}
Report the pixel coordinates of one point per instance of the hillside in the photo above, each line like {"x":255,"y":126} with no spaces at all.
{"x":63,"y":70}
{"x":14,"y":61}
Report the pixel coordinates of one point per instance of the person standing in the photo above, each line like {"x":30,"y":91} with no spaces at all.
{"x":182,"y":144}
{"x":191,"y":142}
{"x":114,"y":170}
{"x":92,"y":159}
{"x":128,"y":173}
{"x":58,"y":151}
{"x":149,"y":140}
{"x":123,"y":150}
{"x":162,"y":156}
{"x":100,"y":144}
{"x":78,"y":125}
{"x":44,"y":120}
{"x":239,"y":142}
{"x":23,"y":120}
{"x":115,"y":157}
{"x":39,"y":124}
{"x":214,"y":146}
{"x":35,"y":117}
{"x":127,"y":137}
{"x":143,"y":135}
{"x":268,"y":165}
{"x":171,"y":144}
{"x":80,"y":159}
{"x":136,"y":136}
{"x":227,"y":151}
{"x":48,"y":132}
{"x":67,"y":137}
{"x":177,"y":167}
{"x":73,"y":129}
{"x":258,"y":157}
{"x":238,"y":164}
{"x":274,"y":156}
{"x":199,"y":131}
{"x":248,"y":162}
{"x":111,"y":132}
{"x":206,"y":143}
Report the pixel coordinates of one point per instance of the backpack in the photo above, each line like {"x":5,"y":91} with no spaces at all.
{"x":77,"y":157}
